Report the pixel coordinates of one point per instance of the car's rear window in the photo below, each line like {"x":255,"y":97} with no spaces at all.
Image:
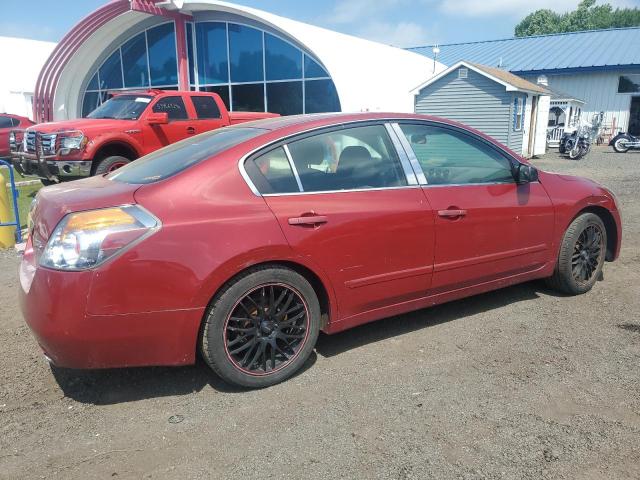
{"x":169,"y":161}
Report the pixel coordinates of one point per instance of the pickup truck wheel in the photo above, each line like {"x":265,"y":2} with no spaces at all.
{"x":581,"y":255}
{"x":109,"y":164}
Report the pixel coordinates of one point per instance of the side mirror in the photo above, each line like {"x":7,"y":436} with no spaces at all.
{"x":158,"y":118}
{"x":526,"y":174}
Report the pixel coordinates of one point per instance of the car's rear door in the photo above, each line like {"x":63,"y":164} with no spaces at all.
{"x":208,"y":115}
{"x":352,"y":207}
{"x":487,"y":226}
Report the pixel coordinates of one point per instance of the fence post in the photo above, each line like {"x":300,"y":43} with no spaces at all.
{"x":7,"y":236}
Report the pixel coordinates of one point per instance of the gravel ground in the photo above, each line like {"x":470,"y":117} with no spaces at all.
{"x":518,"y":383}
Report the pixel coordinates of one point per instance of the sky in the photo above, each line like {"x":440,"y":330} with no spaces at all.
{"x":403,"y":23}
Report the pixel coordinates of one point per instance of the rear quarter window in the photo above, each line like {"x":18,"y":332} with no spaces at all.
{"x":171,"y":160}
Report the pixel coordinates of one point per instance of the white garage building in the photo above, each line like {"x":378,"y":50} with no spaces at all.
{"x":17,"y":84}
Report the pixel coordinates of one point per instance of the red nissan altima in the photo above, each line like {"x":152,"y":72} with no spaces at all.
{"x":243,"y":243}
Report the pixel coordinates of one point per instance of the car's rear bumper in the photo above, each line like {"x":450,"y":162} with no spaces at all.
{"x":54,"y":305}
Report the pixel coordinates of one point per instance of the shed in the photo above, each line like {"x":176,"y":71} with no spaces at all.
{"x":500,"y":104}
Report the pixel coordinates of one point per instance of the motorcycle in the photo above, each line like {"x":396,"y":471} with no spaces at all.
{"x":623,"y":142}
{"x":577,"y":144}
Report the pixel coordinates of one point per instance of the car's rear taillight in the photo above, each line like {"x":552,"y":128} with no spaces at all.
{"x":86,"y":239}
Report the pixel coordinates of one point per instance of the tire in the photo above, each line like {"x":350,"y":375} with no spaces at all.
{"x":233,"y":334}
{"x":568,"y":277}
{"x":109,"y":164}
{"x":620,"y":145}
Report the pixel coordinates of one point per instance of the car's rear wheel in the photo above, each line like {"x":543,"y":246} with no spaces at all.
{"x":582,"y":255}
{"x":262,"y":327}
{"x":110,"y":164}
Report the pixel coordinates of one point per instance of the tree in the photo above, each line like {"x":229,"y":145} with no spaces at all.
{"x":588,"y":16}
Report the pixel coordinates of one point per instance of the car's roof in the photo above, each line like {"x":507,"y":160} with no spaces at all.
{"x":321,"y":119}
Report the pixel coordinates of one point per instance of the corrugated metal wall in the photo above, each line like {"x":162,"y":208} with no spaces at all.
{"x":475,"y":101}
{"x":600,"y":92}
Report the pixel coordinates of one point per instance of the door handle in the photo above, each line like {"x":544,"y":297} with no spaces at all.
{"x":452,"y":213}
{"x":312,"y":220}
{"x":191,"y":130}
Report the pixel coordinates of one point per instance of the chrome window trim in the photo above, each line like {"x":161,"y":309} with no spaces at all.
{"x":351,"y":190}
{"x":285,"y":147}
{"x":284,"y":141}
{"x":413,"y":160}
{"x":402,"y":155}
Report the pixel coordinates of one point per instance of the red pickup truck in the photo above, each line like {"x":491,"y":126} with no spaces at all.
{"x":124,"y":128}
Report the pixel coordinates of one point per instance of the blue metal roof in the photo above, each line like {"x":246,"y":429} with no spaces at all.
{"x":576,"y":51}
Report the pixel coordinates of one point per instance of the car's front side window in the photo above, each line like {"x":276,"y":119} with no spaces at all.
{"x":173,"y":106}
{"x":450,"y":157}
{"x":347,"y":159}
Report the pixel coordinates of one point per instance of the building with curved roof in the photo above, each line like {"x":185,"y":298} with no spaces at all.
{"x":254,"y":60}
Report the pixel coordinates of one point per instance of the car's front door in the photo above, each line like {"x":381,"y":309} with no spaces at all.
{"x":180,"y":126}
{"x":487,"y":226}
{"x":351,"y":207}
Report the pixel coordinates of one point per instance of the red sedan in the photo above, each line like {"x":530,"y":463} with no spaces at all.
{"x":8,"y":123}
{"x":243,"y":243}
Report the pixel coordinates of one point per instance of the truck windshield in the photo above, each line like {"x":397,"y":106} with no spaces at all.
{"x":169,"y":161}
{"x":122,"y":107}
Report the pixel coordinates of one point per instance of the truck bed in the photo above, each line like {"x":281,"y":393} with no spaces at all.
{"x":241,"y":117}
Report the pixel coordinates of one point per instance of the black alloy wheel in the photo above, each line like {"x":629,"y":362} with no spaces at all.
{"x":266,"y":329}
{"x":587,"y":253}
{"x":261,"y":327}
{"x":581,"y":256}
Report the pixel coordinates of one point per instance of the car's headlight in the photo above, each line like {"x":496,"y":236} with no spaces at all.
{"x":84,"y":240}
{"x":72,"y":141}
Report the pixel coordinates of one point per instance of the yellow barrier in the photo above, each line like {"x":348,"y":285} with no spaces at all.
{"x":7,"y":234}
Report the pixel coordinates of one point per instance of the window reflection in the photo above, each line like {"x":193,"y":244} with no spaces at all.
{"x":245,"y":50}
{"x":284,"y":98}
{"x":162,"y":55}
{"x":134,"y":62}
{"x":283,"y":61}
{"x":211,"y":39}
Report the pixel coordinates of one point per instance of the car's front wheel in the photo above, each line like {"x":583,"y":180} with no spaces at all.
{"x":582,"y":255}
{"x":110,"y":164}
{"x":262,"y":327}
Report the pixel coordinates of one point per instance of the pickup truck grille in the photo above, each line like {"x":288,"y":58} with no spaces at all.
{"x":47,"y":141}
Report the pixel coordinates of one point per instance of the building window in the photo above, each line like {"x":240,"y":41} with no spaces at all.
{"x":283,"y":61}
{"x":254,"y":70}
{"x":146,"y":60}
{"x":134,"y":62}
{"x":463,"y":73}
{"x":162,"y":55}
{"x":320,"y":96}
{"x":249,"y":68}
{"x":213,"y":63}
{"x":518,"y":113}
{"x":629,"y":84}
{"x":248,"y":97}
{"x":245,"y":54}
{"x":284,"y":97}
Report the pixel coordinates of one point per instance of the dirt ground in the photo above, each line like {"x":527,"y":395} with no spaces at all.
{"x":518,"y":383}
